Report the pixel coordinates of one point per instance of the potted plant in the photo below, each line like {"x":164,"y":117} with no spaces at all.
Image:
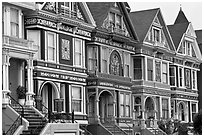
{"x":21,"y":92}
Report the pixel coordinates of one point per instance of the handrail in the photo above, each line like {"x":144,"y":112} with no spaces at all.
{"x":14,"y":126}
{"x":83,"y":128}
{"x":129,"y":127}
{"x":115,"y":126}
{"x":22,"y":112}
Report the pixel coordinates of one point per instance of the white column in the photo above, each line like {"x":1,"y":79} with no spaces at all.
{"x":5,"y":78}
{"x":29,"y":93}
{"x":143,"y":125}
{"x":97,"y":107}
{"x":169,"y":107}
{"x":160,"y":108}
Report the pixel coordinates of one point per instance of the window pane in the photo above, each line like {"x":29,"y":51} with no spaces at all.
{"x":121,"y":98}
{"x":158,"y":71}
{"x":76,"y":99}
{"x":187,"y":76}
{"x":150,"y":69}
{"x":78,"y":52}
{"x":51,"y":47}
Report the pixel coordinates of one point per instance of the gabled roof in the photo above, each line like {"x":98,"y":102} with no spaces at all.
{"x":199,"y":39}
{"x":142,"y":21}
{"x":99,"y":10}
{"x":181,"y":18}
{"x":177,"y":31}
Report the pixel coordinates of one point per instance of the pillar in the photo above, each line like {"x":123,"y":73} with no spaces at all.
{"x":143,"y":125}
{"x":5,"y":77}
{"x":97,"y":107}
{"x":30,"y":93}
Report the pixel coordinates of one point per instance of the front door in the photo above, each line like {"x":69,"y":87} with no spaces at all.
{"x":106,"y":107}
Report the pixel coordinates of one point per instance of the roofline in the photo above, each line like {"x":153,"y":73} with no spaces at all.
{"x":151,"y":23}
{"x":132,"y":29}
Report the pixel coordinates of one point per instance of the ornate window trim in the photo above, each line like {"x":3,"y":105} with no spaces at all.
{"x":115,"y":64}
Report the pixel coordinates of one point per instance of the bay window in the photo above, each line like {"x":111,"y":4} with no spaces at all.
{"x":137,"y":68}
{"x":14,"y":22}
{"x":194,"y":86}
{"x":187,"y":78}
{"x":77,"y":99}
{"x":92,"y":58}
{"x":158,"y":71}
{"x":150,"y":69}
{"x":164,"y":73}
{"x":104,"y":60}
{"x":172,"y":75}
{"x":180,"y":76}
{"x":127,"y":65}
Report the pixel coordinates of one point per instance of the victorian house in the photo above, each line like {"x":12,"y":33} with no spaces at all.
{"x":52,"y":67}
{"x":109,"y":67}
{"x":17,"y":59}
{"x":183,"y":70}
{"x":151,"y":90}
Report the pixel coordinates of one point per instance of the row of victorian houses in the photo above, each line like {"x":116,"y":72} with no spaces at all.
{"x":108,"y":66}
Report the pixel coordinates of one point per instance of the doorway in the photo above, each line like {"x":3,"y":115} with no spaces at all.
{"x":106,"y":107}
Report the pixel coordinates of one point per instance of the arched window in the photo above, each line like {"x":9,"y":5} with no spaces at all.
{"x":115,"y":64}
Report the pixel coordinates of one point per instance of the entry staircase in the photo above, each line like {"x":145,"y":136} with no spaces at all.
{"x":114,"y":129}
{"x":156,"y":131}
{"x":36,"y":121}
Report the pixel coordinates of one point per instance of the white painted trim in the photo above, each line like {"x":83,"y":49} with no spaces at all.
{"x":89,"y":14}
{"x":58,"y":31}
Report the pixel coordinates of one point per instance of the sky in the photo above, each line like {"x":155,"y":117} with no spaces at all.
{"x":169,"y":9}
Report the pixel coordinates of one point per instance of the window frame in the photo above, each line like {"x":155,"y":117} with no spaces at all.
{"x":17,"y":35}
{"x":158,"y":71}
{"x":170,"y":76}
{"x":187,"y":79}
{"x":150,"y":70}
{"x":165,"y":110}
{"x":194,"y":80}
{"x":126,"y":64}
{"x":92,"y":58}
{"x":104,"y":60}
{"x":137,"y":68}
{"x":165,"y":73}
{"x":159,"y":34}
{"x":81,"y":53}
{"x":47,"y":46}
{"x":181,"y":79}
{"x":81,"y":99}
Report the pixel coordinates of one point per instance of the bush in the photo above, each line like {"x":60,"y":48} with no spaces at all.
{"x":21,"y":91}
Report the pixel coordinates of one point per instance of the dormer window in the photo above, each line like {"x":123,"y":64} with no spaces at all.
{"x":186,"y":48}
{"x":156,"y":35}
{"x":69,"y":8}
{"x":115,"y":21}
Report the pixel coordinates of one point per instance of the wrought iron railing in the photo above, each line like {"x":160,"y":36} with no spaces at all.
{"x":129,"y":129}
{"x":18,"y":121}
{"x":14,"y":126}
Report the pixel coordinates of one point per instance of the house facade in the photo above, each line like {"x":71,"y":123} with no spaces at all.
{"x":95,"y":68}
{"x":151,"y":89}
{"x":184,"y":69}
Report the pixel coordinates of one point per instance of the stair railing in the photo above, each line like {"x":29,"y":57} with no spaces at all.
{"x":14,"y":126}
{"x":116,"y":127}
{"x":22,"y":111}
{"x":87,"y":132}
{"x":129,"y":128}
{"x":18,"y":121}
